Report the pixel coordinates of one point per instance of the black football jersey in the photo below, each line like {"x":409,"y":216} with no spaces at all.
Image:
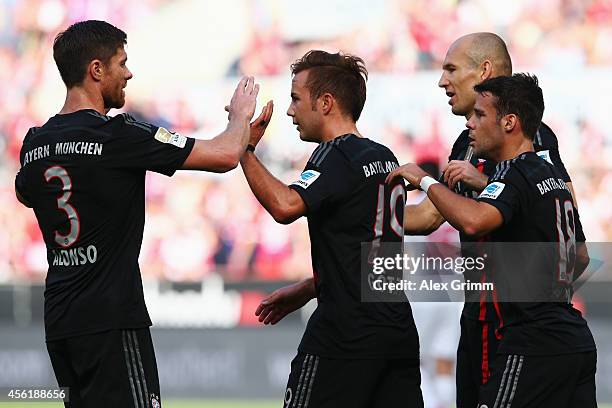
{"x":348,"y":203}
{"x":547,"y":147}
{"x":533,"y":279}
{"x":545,"y":144}
{"x":84,"y":175}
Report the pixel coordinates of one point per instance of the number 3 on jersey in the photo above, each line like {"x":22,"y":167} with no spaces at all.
{"x":62,"y":203}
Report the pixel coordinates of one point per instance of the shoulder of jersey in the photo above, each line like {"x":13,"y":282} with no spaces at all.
{"x":503,"y":169}
{"x":322,"y":151}
{"x":461,"y":142}
{"x":131,"y":121}
{"x":463,"y":137}
{"x":545,"y":138}
{"x":31,"y":132}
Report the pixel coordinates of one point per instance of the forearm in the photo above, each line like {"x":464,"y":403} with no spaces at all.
{"x":422,"y":218}
{"x":307,"y":288}
{"x":232,"y":142}
{"x":462,"y":213}
{"x":582,"y":259}
{"x":271,"y":193}
{"x":221,"y":153}
{"x":302,"y":291}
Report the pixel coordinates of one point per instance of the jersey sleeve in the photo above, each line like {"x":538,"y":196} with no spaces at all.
{"x":504,"y":192}
{"x":20,"y":184}
{"x":20,"y":179}
{"x":547,"y":147}
{"x":140,"y":145}
{"x":325,"y":180}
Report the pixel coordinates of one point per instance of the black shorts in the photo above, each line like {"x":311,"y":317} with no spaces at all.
{"x":561,"y":381}
{"x":114,"y":368}
{"x":477,"y":350}
{"x":317,"y":382}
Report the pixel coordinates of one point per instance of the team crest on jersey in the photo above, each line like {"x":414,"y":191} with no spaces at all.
{"x":545,"y":154}
{"x":492,"y":191}
{"x":155,"y":401}
{"x":175,"y":139}
{"x":307,"y":178}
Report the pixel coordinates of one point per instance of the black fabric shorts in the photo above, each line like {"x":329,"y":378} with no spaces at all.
{"x":561,"y":381}
{"x":317,"y":382}
{"x":115,"y":368}
{"x":477,"y":350}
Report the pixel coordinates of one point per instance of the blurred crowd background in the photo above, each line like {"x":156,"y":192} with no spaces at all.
{"x":186,"y":56}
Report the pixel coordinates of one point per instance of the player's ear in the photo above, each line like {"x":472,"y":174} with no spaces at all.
{"x":96,"y":69}
{"x":486,"y":70}
{"x":326,"y":103}
{"x":509,"y":122}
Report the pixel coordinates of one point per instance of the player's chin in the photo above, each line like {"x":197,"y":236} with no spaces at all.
{"x":306,"y":137}
{"x":119,"y":102}
{"x":480,"y":152}
{"x":114,"y":103}
{"x":457,"y":110}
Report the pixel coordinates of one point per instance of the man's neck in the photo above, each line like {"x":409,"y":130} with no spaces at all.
{"x":510,"y":151}
{"x":339,"y":128}
{"x":78,"y":98}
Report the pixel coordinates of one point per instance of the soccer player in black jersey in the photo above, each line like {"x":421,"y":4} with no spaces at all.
{"x":353,"y":353}
{"x":83,"y":173}
{"x":546,"y":356}
{"x":470,"y":60}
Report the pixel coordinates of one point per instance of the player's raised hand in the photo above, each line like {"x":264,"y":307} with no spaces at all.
{"x":284,"y":301}
{"x":259,"y":125}
{"x":242,"y":105}
{"x":462,"y":170}
{"x":410,"y":172}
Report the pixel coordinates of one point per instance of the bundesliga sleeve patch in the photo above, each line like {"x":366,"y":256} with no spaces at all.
{"x":175,"y":139}
{"x":545,"y":154}
{"x":307,"y":178}
{"x":492,"y":191}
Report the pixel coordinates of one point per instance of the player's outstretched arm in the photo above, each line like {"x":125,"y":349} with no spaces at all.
{"x":422,"y":219}
{"x":285,"y":300}
{"x":222,"y":153}
{"x":284,"y":204}
{"x":468,"y":216}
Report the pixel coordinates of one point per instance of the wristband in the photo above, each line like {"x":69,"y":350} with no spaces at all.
{"x":250,"y":148}
{"x":427,"y":182}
